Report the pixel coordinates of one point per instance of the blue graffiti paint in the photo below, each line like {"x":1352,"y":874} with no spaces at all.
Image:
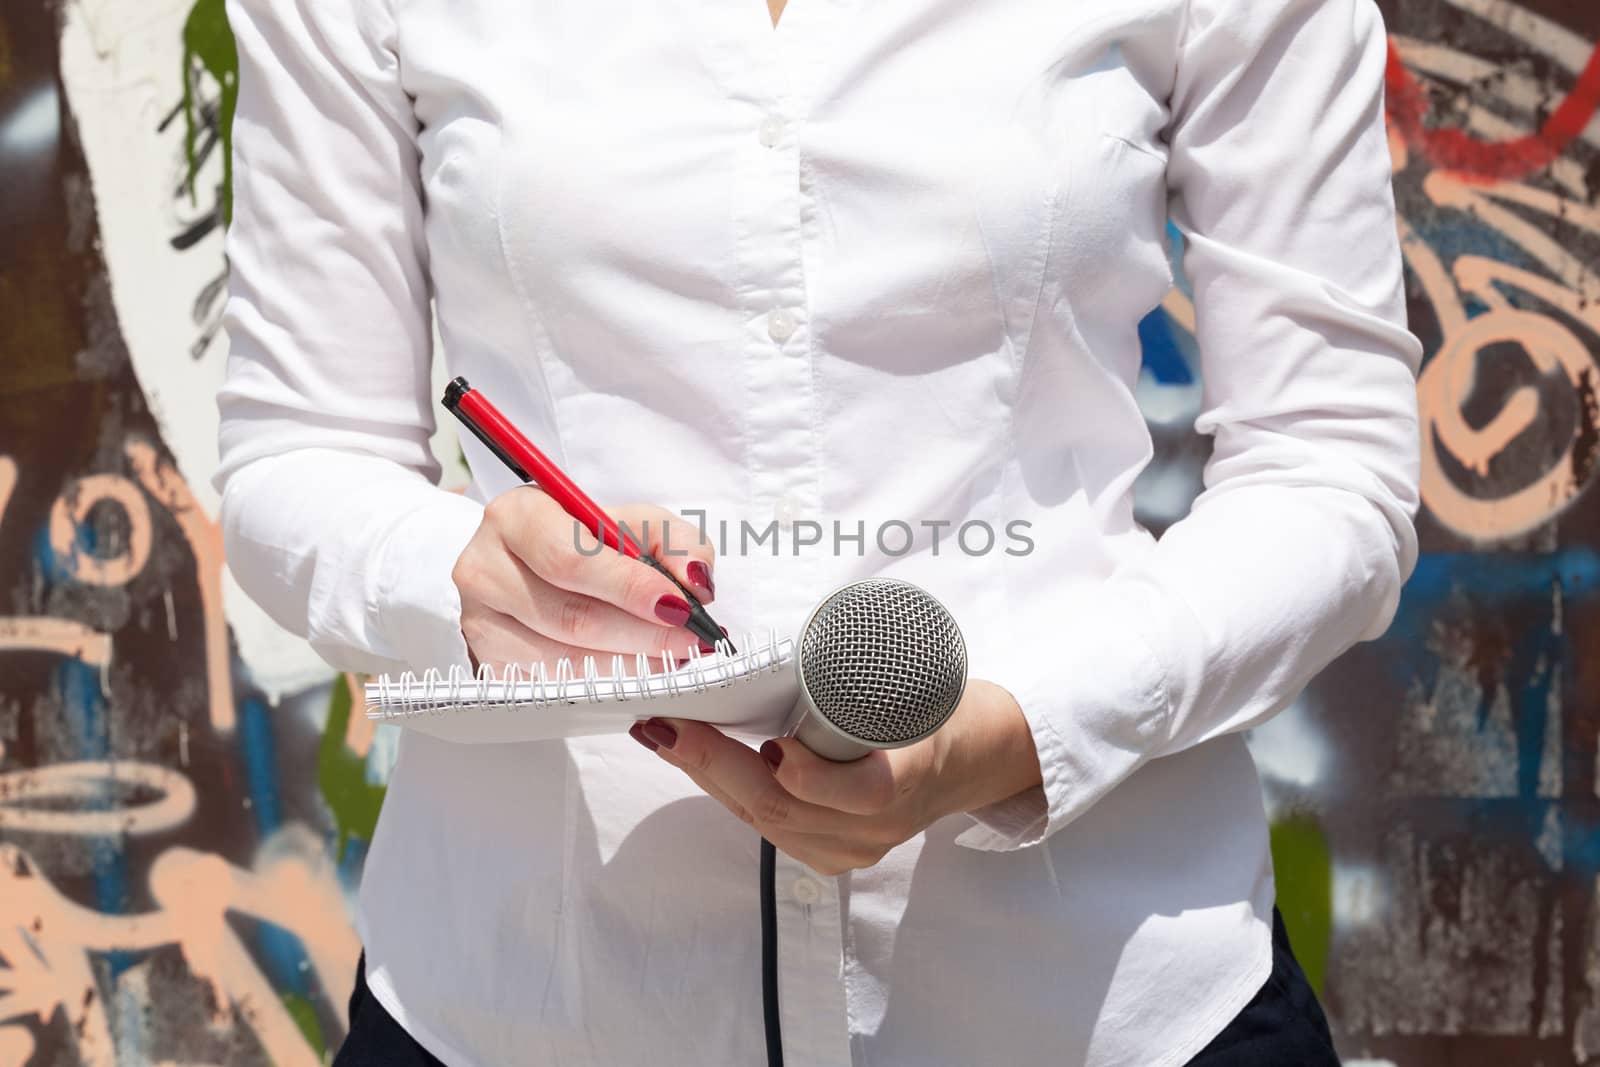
{"x":1168,"y":358}
{"x":1175,"y":257}
{"x":1452,"y":233}
{"x":86,"y":720}
{"x":1498,"y":576}
{"x":1492,"y":581}
{"x":1160,"y":349}
{"x":1530,"y":658}
{"x":281,"y":952}
{"x":260,"y":757}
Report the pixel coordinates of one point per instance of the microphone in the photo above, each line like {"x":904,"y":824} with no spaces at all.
{"x":881,"y":664}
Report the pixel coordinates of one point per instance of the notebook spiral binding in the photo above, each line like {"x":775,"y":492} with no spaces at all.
{"x":438,"y":693}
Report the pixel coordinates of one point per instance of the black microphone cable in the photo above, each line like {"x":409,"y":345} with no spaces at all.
{"x":769,"y":953}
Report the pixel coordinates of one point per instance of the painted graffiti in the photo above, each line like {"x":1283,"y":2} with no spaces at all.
{"x":1436,"y":833}
{"x":292,"y":886}
{"x":1550,"y":337}
{"x":48,"y":941}
{"x":68,"y":518}
{"x":1516,"y":209}
{"x":185,"y":796}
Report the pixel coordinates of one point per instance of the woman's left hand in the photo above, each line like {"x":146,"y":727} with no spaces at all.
{"x":835,"y":817}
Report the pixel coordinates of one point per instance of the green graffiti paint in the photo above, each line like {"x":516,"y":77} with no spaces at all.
{"x":1303,"y":866}
{"x":304,"y":1014}
{"x":208,"y":39}
{"x":342,"y":775}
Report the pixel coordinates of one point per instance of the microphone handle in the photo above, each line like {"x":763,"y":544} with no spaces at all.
{"x":821,"y":738}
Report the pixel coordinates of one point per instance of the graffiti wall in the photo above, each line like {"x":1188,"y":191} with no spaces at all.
{"x":186,"y":795}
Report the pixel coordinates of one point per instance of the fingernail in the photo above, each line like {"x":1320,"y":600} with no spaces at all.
{"x":700,"y":575}
{"x":772,"y":752}
{"x":636,"y":731}
{"x":659,"y":732}
{"x":672,"y":609}
{"x":706,"y":649}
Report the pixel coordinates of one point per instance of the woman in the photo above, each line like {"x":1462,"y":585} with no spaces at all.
{"x":872,"y":272}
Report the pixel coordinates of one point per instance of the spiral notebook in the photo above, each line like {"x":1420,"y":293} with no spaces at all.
{"x":751,"y":693}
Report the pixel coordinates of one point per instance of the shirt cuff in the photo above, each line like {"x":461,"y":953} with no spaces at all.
{"x":1096,"y":706}
{"x":415,"y":604}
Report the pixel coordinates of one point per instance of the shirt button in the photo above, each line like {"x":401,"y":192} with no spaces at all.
{"x":780,"y":325}
{"x":807,"y":891}
{"x":771,"y":131}
{"x":786,"y":511}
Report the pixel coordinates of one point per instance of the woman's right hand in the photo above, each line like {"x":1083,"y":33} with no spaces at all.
{"x":535,"y":585}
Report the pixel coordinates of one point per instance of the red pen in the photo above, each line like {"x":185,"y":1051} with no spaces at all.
{"x":524,"y":459}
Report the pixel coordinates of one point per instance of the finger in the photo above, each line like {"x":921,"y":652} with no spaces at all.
{"x":827,"y":854}
{"x":578,"y":619}
{"x":841,"y":843}
{"x":501,"y":640}
{"x":746,"y":786}
{"x":676,"y":543}
{"x":865,"y":786}
{"x":497,"y":639}
{"x":499,"y":580}
{"x":552,"y":545}
{"x":830,"y":855}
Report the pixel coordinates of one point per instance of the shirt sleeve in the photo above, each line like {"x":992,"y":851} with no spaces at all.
{"x":1296,"y":549}
{"x":331,"y":516}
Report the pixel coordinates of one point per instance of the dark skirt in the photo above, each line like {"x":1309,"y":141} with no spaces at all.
{"x":1282,"y":1025}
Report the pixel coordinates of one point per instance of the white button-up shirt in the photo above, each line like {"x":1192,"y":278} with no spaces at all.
{"x":878,"y":272}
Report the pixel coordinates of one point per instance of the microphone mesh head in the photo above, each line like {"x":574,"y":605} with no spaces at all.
{"x":883,"y":661}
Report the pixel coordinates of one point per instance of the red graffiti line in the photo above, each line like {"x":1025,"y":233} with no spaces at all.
{"x":1458,"y":151}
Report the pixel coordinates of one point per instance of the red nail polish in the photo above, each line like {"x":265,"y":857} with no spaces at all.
{"x":659,"y":732}
{"x":636,"y":731}
{"x":706,"y":649}
{"x":700,"y":574}
{"x":772,"y":752}
{"x":672,"y":609}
